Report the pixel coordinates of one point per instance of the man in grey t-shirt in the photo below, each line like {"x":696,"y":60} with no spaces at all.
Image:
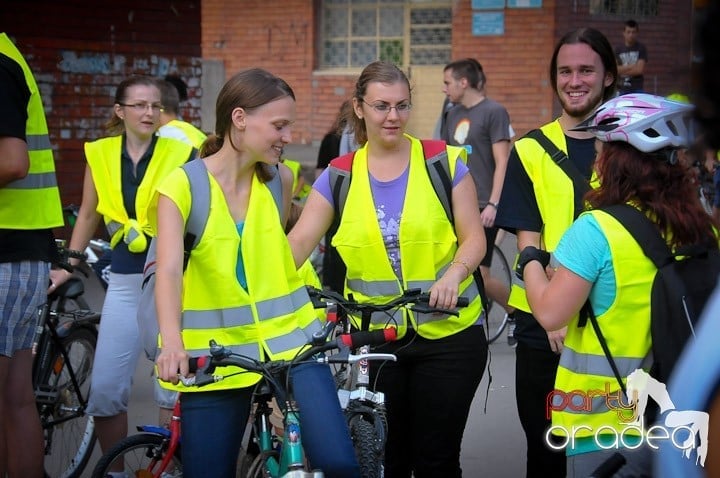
{"x":482,"y":126}
{"x":631,"y":59}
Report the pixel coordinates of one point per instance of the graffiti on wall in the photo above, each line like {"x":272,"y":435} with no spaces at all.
{"x":106,"y":63}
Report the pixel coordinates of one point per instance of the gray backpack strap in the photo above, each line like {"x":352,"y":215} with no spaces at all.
{"x":199,"y":205}
{"x":275,"y":186}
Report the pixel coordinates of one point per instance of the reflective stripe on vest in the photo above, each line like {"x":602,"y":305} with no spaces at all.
{"x":37,"y":194}
{"x":625,"y":325}
{"x":195,"y":136}
{"x":427,"y":246}
{"x":34,"y":181}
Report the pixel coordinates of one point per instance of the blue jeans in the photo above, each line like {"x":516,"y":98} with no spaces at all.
{"x":213,"y":424}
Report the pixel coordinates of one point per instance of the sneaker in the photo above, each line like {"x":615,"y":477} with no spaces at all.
{"x":511,"y":340}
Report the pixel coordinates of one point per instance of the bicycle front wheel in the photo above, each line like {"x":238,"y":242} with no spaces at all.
{"x":368,"y":447}
{"x":69,"y":432}
{"x":496,"y":317}
{"x":140,"y":455}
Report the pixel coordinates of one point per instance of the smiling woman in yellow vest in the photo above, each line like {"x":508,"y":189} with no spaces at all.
{"x":394,"y":234}
{"x":240,"y":286}
{"x":637,"y":136}
{"x":122,"y":172}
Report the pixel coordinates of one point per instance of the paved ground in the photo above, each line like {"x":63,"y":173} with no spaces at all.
{"x":493,"y":445}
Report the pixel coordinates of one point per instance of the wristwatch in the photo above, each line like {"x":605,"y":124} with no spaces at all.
{"x":531,"y":253}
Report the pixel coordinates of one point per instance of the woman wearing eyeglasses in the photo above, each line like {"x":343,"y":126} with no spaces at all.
{"x":394,"y":235}
{"x":122,"y":172}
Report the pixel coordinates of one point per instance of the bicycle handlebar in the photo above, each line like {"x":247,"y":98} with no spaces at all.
{"x":204,"y":366}
{"x":417,"y":301}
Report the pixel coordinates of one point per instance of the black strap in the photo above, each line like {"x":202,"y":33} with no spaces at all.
{"x":580,"y":183}
{"x":643,"y":231}
{"x":588,"y":312}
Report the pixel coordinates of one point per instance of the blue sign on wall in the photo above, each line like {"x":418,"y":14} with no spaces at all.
{"x":524,"y":3}
{"x":490,"y":23}
{"x":488,"y":4}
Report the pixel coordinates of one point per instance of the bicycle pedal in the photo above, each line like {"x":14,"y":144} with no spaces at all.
{"x":45,"y":395}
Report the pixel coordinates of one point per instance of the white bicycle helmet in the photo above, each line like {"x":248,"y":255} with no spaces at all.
{"x":647,"y":122}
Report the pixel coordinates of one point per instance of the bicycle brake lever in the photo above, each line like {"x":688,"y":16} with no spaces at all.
{"x":426,"y":309}
{"x":371,"y":356}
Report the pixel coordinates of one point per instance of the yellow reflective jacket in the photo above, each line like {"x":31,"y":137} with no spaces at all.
{"x":427,"y":246}
{"x":626,"y":326}
{"x":103,"y":157}
{"x":32,"y":202}
{"x":274,"y":316}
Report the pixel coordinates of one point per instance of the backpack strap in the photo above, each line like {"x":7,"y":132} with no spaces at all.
{"x":197,"y":174}
{"x":438,"y":168}
{"x":643,"y":231}
{"x":436,"y":162}
{"x":275,"y":186}
{"x":580,"y":184}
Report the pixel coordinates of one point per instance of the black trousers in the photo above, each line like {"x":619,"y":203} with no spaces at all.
{"x":534,"y":379}
{"x":428,"y":393}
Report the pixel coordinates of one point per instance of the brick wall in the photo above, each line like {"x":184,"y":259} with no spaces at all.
{"x":515,"y":63}
{"x":80,"y":50}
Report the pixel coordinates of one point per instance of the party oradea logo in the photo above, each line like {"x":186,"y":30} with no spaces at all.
{"x":687,"y":430}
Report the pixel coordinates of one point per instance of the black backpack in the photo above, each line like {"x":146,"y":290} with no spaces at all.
{"x":682,"y":286}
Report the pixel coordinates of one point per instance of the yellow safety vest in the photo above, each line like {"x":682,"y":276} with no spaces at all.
{"x":427,"y":246}
{"x":194,"y":135}
{"x":274,"y":317}
{"x":626,"y":327}
{"x":296,"y":169}
{"x":103,"y":157}
{"x":32,"y":202}
{"x":554,"y":192}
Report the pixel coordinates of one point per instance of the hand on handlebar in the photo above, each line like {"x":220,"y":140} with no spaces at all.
{"x":169,"y":361}
{"x":444,"y":292}
{"x":57,"y":278}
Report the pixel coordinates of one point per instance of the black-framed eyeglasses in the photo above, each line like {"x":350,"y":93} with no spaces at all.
{"x":384,"y":108}
{"x":142,"y":107}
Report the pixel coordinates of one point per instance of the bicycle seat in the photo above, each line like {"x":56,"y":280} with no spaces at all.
{"x":72,"y":289}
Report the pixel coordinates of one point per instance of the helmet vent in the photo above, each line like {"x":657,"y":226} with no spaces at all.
{"x":651,"y":133}
{"x":672,"y":128}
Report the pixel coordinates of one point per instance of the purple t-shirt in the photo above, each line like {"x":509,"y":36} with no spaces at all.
{"x":388,"y":197}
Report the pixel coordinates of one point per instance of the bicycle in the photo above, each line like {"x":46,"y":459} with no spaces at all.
{"x":365,"y":408}
{"x":496,"y":318}
{"x":151,"y":452}
{"x":64,"y":350}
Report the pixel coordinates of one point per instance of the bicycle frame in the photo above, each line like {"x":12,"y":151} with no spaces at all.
{"x":50,"y":331}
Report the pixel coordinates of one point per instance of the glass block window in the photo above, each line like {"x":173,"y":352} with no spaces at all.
{"x":354,"y":33}
{"x":625,"y":8}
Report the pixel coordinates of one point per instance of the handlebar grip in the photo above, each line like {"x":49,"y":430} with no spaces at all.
{"x":462,"y":302}
{"x":376,"y":337}
{"x":195,"y":363}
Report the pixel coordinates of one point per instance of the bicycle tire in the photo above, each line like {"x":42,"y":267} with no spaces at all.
{"x":69,"y":440}
{"x":368,"y":449}
{"x":496,"y":317}
{"x":141,"y":452}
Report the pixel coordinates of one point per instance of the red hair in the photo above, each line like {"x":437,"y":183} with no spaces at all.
{"x":663,"y":191}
